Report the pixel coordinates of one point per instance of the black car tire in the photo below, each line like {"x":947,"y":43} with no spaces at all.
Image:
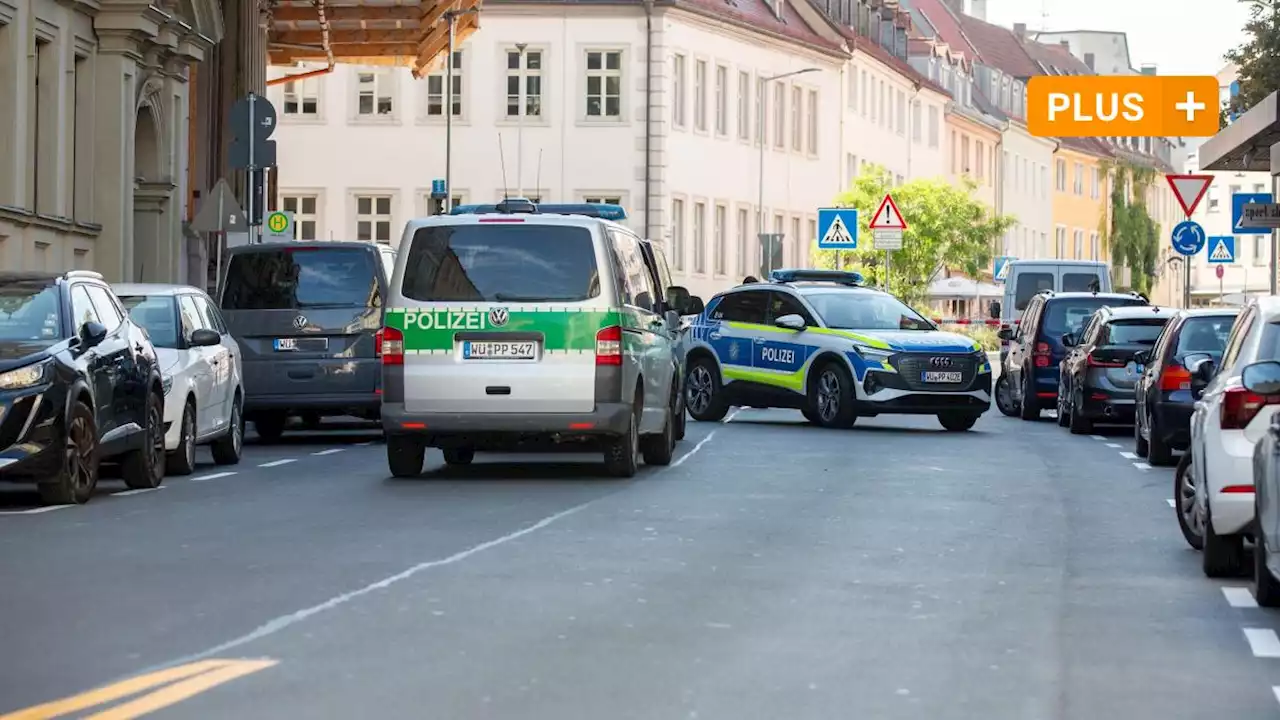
{"x":704,"y":377}
{"x":622,"y":453}
{"x":459,"y":455}
{"x":1030,"y":409}
{"x":661,"y":448}
{"x":1266,"y":589}
{"x":183,"y":460}
{"x":1004,"y":397}
{"x":1159,"y":454}
{"x":1064,"y":418}
{"x":681,"y":419}
{"x":1183,"y":477}
{"x":143,"y":468}
{"x":78,"y":474}
{"x":270,"y":426}
{"x":1079,"y":424}
{"x":1140,"y":445}
{"x":1222,"y":555}
{"x":837,"y":380}
{"x":405,"y":455}
{"x":957,"y":421}
{"x":228,"y":448}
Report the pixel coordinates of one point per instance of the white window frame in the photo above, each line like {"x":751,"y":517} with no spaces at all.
{"x":523,"y":97}
{"x":811,"y":142}
{"x":797,"y":227}
{"x":679,"y":208}
{"x":720,"y":234}
{"x":299,"y":217}
{"x":386,"y":84}
{"x":744,"y":106}
{"x":761,"y":110}
{"x":900,"y":115}
{"x":1060,"y":241}
{"x":304,"y":89}
{"x":608,"y":197}
{"x":808,"y":243}
{"x":423,"y":208}
{"x":459,"y":78}
{"x":374,"y":217}
{"x":1095,"y":246}
{"x":700,"y":95}
{"x":862,"y":98}
{"x":797,"y":118}
{"x":604,"y":72}
{"x":1077,"y":240}
{"x":744,"y":232}
{"x":679,"y":91}
{"x":698,"y":224}
{"x":852,"y":100}
{"x":780,"y":115}
{"x":917,"y":121}
{"x":722,"y":100}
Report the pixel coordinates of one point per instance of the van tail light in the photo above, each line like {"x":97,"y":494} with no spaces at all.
{"x":389,"y":345}
{"x":1092,"y":361}
{"x":1041,"y":355}
{"x":1240,"y":407}
{"x":609,"y":346}
{"x":1175,"y":377}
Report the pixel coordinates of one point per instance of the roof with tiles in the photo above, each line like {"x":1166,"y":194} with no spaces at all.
{"x":760,"y":15}
{"x":944,"y":23}
{"x":870,"y":47}
{"x":1056,"y":57}
{"x":999,"y":47}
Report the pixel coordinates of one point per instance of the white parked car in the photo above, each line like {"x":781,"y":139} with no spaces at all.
{"x":201,"y":366}
{"x":1227,"y":422}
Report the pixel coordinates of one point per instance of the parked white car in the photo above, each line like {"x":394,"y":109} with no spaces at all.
{"x":201,"y":366}
{"x":1227,"y":423}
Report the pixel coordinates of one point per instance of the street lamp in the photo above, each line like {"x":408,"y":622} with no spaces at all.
{"x":763,"y":136}
{"x":450,"y":16}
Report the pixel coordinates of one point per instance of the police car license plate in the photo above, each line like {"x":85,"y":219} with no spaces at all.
{"x":943,"y":376}
{"x":497,"y":350}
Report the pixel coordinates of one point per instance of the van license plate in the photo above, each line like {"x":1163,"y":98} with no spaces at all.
{"x":311,"y":344}
{"x":497,"y":350}
{"x":943,"y":377}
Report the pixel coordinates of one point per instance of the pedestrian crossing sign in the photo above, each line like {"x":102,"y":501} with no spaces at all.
{"x":1000,"y":272}
{"x":838,"y":228}
{"x":1222,"y":249}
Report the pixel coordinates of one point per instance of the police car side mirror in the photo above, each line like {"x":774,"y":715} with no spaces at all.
{"x":790,"y":322}
{"x":696,"y":306}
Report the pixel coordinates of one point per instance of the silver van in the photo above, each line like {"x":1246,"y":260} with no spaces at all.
{"x":305,"y":315}
{"x":1028,"y":278}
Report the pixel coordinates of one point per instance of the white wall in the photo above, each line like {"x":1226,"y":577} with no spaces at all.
{"x":1108,"y":49}
{"x":1026,"y":193}
{"x":871,"y":128}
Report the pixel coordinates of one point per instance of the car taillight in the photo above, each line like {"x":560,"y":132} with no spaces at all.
{"x":1175,"y":377}
{"x":1092,"y":361}
{"x":1239,"y":407}
{"x":609,"y":346}
{"x":1041,"y":355}
{"x":389,"y":345}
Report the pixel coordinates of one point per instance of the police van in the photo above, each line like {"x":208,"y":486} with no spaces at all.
{"x":515,"y":324}
{"x":821,"y":342}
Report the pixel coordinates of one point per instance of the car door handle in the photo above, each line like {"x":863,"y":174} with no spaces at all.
{"x":715,"y":336}
{"x":760,"y":341}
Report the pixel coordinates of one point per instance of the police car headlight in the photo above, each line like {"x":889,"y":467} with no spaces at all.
{"x":871,"y":353}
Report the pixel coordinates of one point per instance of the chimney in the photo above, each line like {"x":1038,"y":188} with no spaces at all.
{"x":1065,"y":45}
{"x":1020,"y":29}
{"x":978,"y":9}
{"x":1148,"y":69}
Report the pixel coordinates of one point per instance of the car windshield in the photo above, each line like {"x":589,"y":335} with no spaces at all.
{"x":866,"y":311}
{"x":157,"y":315}
{"x":302,"y":277}
{"x":29,"y":310}
{"x":1134,"y":332}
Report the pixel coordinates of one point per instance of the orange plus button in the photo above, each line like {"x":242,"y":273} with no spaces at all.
{"x":1122,"y":106}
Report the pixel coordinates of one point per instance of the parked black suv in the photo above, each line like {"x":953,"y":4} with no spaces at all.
{"x":1029,"y":381}
{"x":79,"y":383}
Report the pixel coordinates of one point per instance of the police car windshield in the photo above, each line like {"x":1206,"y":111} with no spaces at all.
{"x":866,"y":311}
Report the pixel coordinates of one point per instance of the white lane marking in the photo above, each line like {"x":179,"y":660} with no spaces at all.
{"x":695,"y":449}
{"x":138,"y":491}
{"x":364,"y":444}
{"x":1275,"y":690}
{"x":1263,"y":642}
{"x":1128,"y":456}
{"x":285,"y":621}
{"x":213,"y":476}
{"x":330,"y":451}
{"x":278,"y":463}
{"x":729,"y":418}
{"x":1142,"y":466}
{"x":1113,"y":445}
{"x":1098,"y":437}
{"x":1239,"y":596}
{"x":35,"y":511}
{"x":1171,"y":502}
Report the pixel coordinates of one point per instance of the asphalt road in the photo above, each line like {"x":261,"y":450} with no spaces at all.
{"x":777,"y":571}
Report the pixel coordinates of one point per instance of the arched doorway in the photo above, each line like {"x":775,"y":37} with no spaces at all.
{"x":151,"y":193}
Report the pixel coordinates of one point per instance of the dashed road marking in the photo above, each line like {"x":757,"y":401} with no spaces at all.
{"x":137,"y":491}
{"x":1142,"y":466}
{"x":1263,"y":642}
{"x":1114,"y":445}
{"x":277,"y":463}
{"x":1171,"y":502}
{"x":35,"y":510}
{"x":1128,"y":456}
{"x":213,"y":476}
{"x":330,"y":451}
{"x":364,"y":444}
{"x":1098,"y":437}
{"x":1239,"y":596}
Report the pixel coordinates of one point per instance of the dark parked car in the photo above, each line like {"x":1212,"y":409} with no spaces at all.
{"x":79,"y":383}
{"x":1029,"y":382}
{"x":1100,"y":370}
{"x":305,"y":315}
{"x":1263,"y":379}
{"x":1162,"y":397}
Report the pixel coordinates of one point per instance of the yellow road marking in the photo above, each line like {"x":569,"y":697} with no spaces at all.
{"x":215,"y":672}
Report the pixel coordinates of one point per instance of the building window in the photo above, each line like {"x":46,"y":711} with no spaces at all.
{"x":797,"y":119}
{"x":1044,"y":182}
{"x":955,"y":150}
{"x":699,"y":238}
{"x":902,"y":113}
{"x":524,"y":83}
{"x":850,"y":168}
{"x":862,"y":98}
{"x":305,"y":215}
{"x":602,"y":200}
{"x":965,"y":166}
{"x":373,"y":218}
{"x":917,"y":121}
{"x":1077,"y":185}
{"x":81,"y":145}
{"x":1060,"y":176}
{"x":1078,"y":240}
{"x":780,"y":116}
{"x":677,"y":234}
{"x":375,"y":91}
{"x":700,"y":95}
{"x":677,"y":91}
{"x":813,"y":122}
{"x":604,"y":84}
{"x":1095,"y":183}
{"x":853,"y":89}
{"x":795,"y":241}
{"x":761,"y":111}
{"x":744,"y":106}
{"x":807,"y":242}
{"x":302,"y":98}
{"x":722,"y":239}
{"x":1060,"y":242}
{"x":44,"y":138}
{"x":722,"y":100}
{"x":1095,"y":250}
{"x":743,"y":233}
{"x":979,"y":160}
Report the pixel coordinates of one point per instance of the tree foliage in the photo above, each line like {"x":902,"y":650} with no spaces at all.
{"x":1258,"y":57}
{"x":947,"y":227}
{"x":1134,"y":235}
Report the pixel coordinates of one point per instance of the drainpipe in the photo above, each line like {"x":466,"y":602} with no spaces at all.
{"x":648,"y":115}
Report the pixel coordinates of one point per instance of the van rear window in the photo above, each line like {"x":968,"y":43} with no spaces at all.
{"x":1030,"y":283}
{"x":501,"y":262}
{"x":301,"y":277}
{"x":1081,"y":282}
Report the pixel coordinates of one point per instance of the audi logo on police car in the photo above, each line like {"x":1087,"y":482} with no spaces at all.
{"x":940,"y":362}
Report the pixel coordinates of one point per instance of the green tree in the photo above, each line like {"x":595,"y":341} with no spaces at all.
{"x":1134,"y":236}
{"x":947,"y":227}
{"x":1258,"y":58}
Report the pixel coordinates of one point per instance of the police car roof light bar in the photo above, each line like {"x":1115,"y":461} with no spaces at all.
{"x":525,"y":206}
{"x":841,"y":277}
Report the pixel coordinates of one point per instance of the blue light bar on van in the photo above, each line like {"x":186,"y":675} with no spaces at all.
{"x":833,"y":276}
{"x":596,"y":210}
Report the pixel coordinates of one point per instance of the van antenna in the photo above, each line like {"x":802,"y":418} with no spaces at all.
{"x":537,"y":177}
{"x":502,"y":162}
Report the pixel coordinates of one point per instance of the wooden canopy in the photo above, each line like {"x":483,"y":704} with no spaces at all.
{"x":368,"y":32}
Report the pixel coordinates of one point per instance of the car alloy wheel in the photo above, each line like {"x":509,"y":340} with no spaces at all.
{"x":829,"y":392}
{"x":188,"y":439}
{"x":237,"y":430}
{"x":1188,"y":504}
{"x":80,"y":455}
{"x":701,"y":387}
{"x":155,"y":436}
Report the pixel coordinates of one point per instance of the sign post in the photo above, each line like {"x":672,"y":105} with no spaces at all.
{"x":888,"y":224}
{"x":1188,"y":237}
{"x":253,"y":120}
{"x":219,"y":214}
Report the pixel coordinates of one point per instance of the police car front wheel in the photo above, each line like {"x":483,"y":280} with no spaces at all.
{"x":957,"y":422}
{"x":704,"y":396}
{"x":830,"y":402}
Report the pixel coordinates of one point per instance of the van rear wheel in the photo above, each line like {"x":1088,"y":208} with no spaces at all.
{"x":622,"y":453}
{"x":270,"y":426}
{"x":405,"y":455}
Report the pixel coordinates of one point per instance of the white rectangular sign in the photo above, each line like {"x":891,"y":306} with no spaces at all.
{"x":1260,"y":215}
{"x":888,"y":239}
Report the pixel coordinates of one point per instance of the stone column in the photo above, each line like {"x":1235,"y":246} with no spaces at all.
{"x":115,"y":114}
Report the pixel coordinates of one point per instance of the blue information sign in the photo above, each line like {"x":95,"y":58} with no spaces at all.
{"x":1188,"y":238}
{"x":1000,"y":271}
{"x":1238,"y":201}
{"x":1222,"y":249}
{"x":838,"y":228}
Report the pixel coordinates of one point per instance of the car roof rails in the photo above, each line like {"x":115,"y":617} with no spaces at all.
{"x":840,"y":277}
{"x":92,"y":275}
{"x":525,"y":206}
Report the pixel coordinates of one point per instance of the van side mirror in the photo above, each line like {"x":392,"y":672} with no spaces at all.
{"x":1005,"y":334}
{"x":696,"y":306}
{"x":993,"y":310}
{"x":677,"y":298}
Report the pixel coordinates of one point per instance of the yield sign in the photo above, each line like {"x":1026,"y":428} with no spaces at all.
{"x":887,"y":216}
{"x":1189,"y":189}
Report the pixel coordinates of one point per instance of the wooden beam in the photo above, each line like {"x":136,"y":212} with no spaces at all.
{"x":344,"y":52}
{"x":433,"y":14}
{"x":345,"y":37}
{"x":430,"y":55}
{"x":306,"y":13}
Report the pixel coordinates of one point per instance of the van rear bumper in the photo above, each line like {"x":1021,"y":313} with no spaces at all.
{"x":313,"y":401}
{"x":606,"y":419}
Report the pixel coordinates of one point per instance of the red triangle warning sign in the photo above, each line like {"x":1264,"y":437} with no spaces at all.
{"x":887,"y":216}
{"x":1189,"y":189}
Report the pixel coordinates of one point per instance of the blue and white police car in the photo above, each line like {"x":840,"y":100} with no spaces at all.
{"x":821,"y":342}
